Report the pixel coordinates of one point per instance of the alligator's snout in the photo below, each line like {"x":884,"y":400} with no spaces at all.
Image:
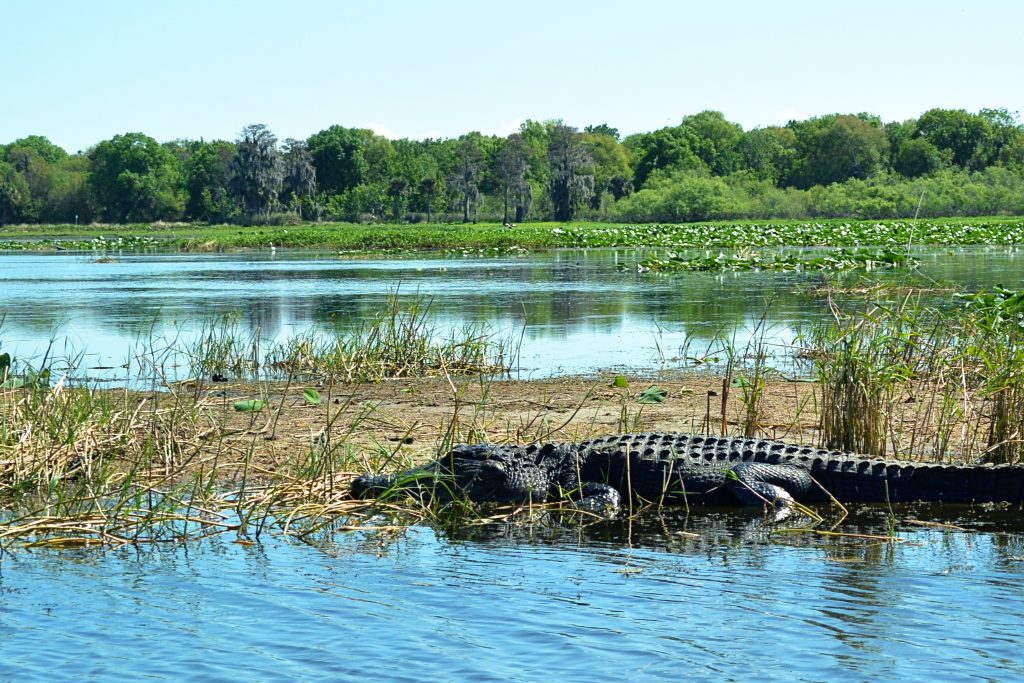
{"x":371,"y":485}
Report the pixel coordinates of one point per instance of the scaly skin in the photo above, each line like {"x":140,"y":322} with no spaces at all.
{"x":680,"y":468}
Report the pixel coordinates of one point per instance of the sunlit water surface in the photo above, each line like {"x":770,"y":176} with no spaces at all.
{"x":709,"y":597}
{"x":661,"y":598}
{"x":567,"y":311}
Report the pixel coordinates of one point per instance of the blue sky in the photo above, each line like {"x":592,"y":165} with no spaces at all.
{"x":80,"y":72}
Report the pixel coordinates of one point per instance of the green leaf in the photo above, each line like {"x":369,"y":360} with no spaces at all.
{"x":312,"y":396}
{"x":5,"y":363}
{"x":13,"y":383}
{"x":38,"y":378}
{"x":619,"y":382}
{"x":250,"y":406}
{"x":653,"y":395}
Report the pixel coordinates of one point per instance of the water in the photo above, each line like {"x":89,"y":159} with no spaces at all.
{"x":573,"y":311}
{"x":705,"y":597}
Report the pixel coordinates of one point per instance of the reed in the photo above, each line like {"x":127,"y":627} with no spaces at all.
{"x":398,"y":342}
{"x":898,"y":374}
{"x":937,"y":381}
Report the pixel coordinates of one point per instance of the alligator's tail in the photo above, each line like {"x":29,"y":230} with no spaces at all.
{"x":858,"y":479}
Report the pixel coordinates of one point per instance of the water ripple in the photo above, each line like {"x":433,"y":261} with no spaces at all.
{"x":724,"y":606}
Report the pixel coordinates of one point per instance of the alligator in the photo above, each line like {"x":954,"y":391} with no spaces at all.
{"x":678,"y":468}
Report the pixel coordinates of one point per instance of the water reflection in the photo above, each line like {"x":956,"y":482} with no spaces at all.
{"x":708,"y":596}
{"x":575,"y":311}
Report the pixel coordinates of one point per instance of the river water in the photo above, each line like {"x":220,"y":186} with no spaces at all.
{"x":711,"y":596}
{"x":567,"y":311}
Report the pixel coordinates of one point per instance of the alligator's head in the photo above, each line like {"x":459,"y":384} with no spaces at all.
{"x":497,"y":474}
{"x":483,"y":473}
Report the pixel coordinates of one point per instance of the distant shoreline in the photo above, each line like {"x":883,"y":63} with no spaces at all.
{"x":392,"y":237}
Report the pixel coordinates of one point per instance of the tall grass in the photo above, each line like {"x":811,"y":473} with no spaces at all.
{"x":942,"y":381}
{"x":80,"y":464}
{"x":398,"y":342}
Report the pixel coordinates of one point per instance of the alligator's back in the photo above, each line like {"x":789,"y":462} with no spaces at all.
{"x":644,"y":463}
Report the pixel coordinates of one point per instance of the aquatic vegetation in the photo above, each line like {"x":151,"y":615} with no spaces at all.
{"x":924,"y":380}
{"x":899,"y":374}
{"x":99,"y":243}
{"x":496,"y":238}
{"x":397,"y":343}
{"x":841,"y":259}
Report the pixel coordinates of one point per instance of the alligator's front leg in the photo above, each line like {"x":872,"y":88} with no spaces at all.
{"x":599,"y":499}
{"x":777,"y":485}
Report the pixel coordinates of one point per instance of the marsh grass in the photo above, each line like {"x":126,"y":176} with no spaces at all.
{"x":898,"y":375}
{"x":922,"y":380}
{"x":398,"y":342}
{"x":82,"y":465}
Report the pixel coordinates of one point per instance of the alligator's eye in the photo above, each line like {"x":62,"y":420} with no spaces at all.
{"x":495,"y":466}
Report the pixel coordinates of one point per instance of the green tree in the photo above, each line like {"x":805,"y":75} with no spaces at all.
{"x":134,"y":178}
{"x":69,"y":199}
{"x":768,"y":153}
{"x":572,"y":180}
{"x":299,"y":183}
{"x":832,"y":149}
{"x":715,"y":140}
{"x":14,"y":193}
{"x":257,"y":171}
{"x":37,"y":173}
{"x":918,"y":157}
{"x":968,"y":137}
{"x":511,"y":164}
{"x":1007,"y":135}
{"x":613,"y":168}
{"x":603,"y":129}
{"x":43,"y":148}
{"x":338,"y":158}
{"x":465,"y":177}
{"x":207,"y":179}
{"x":665,"y":150}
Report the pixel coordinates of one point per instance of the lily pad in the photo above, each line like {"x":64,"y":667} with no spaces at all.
{"x":653,"y":395}
{"x":250,"y":406}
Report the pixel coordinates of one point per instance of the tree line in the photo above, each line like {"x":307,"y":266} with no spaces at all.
{"x":945,"y":162}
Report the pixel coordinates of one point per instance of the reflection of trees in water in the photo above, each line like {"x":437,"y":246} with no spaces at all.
{"x":555,"y":295}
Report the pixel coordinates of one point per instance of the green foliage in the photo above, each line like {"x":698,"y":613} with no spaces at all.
{"x":918,"y":157}
{"x":14,"y":194}
{"x":716,"y":140}
{"x":967,"y":137}
{"x":768,"y":153}
{"x":134,"y":178}
{"x":833,"y":149}
{"x":572,"y":184}
{"x":208,"y":173}
{"x":40,"y":146}
{"x":705,"y":168}
{"x":836,"y":260}
{"x":654,"y":394}
{"x":685,"y":197}
{"x":666,"y":150}
{"x":465,"y":177}
{"x":339,"y":158}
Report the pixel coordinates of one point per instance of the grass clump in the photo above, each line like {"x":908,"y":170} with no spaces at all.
{"x":944,"y":382}
{"x":396,"y":343}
